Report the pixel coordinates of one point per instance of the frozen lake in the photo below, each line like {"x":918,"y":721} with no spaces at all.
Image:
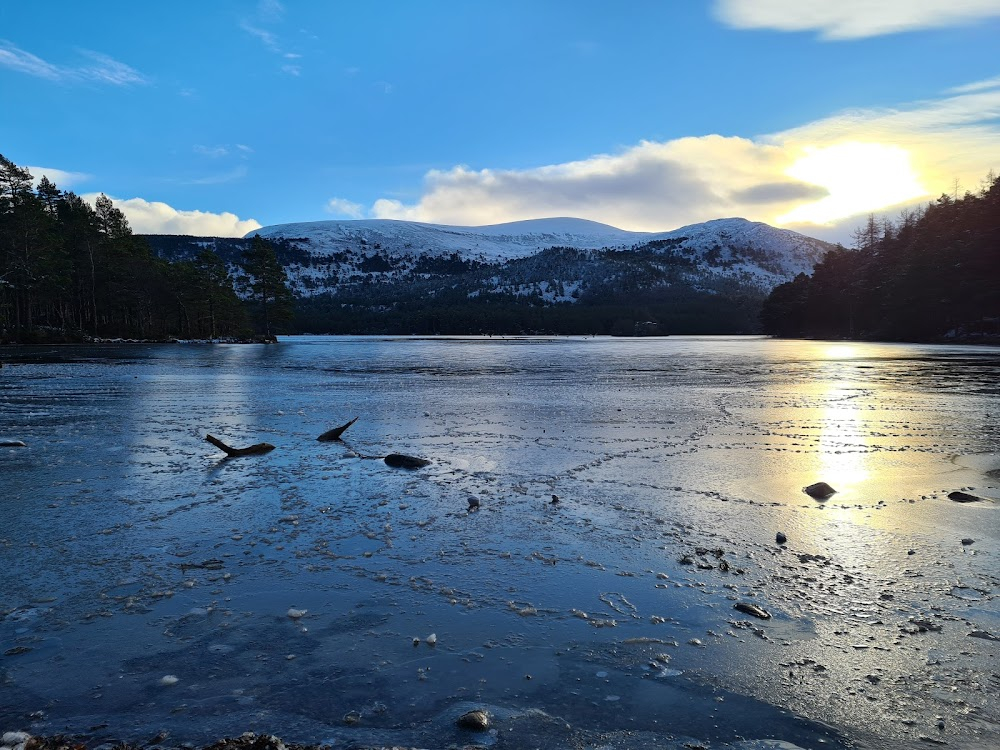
{"x":132,"y":551}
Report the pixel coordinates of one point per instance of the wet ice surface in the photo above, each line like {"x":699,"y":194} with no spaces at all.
{"x":148,"y":584}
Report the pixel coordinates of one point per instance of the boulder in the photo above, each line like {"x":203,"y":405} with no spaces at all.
{"x":476,"y":721}
{"x":819,"y":491}
{"x":752,"y":609}
{"x":965,"y":497}
{"x":402,"y":461}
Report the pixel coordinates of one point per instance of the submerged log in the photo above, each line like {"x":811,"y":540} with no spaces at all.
{"x":252,"y":450}
{"x":401,"y":461}
{"x":335,"y":433}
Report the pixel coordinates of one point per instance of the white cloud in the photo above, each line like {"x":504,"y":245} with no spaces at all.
{"x":101,"y":68}
{"x":147,"y":217}
{"x":62,"y":179}
{"x":292,"y":70}
{"x":825,"y":172}
{"x":853,"y":19}
{"x":344,"y":208}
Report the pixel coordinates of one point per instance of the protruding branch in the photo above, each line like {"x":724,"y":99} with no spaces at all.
{"x":336,"y":432}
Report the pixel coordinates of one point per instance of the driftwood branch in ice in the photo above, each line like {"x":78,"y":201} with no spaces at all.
{"x":252,"y":450}
{"x":336,"y":432}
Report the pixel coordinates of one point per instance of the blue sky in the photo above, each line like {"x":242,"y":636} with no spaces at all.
{"x":217,"y":117}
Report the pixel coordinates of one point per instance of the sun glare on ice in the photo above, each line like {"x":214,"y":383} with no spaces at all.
{"x":859,"y":177}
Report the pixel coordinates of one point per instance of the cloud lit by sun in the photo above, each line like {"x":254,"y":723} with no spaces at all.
{"x":859,"y":177}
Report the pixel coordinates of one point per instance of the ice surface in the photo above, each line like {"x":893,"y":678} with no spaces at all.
{"x":130,"y":550}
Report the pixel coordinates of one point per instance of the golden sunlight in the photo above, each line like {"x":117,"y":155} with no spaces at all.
{"x":843,"y":449}
{"x":860,"y":177}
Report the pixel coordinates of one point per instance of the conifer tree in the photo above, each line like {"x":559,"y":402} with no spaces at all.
{"x":267,"y":283}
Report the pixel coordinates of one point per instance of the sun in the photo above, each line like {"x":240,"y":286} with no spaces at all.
{"x":859,"y":177}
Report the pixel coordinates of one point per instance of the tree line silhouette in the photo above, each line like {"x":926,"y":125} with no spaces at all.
{"x":72,"y":271}
{"x":934,"y":274}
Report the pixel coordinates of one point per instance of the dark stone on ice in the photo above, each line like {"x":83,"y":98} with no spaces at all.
{"x":476,"y":721}
{"x":780,"y":538}
{"x":555,"y":499}
{"x":752,"y":609}
{"x":986,"y":636}
{"x":402,"y":461}
{"x":819,"y":491}
{"x":965,"y":497}
{"x":12,"y":444}
{"x":967,"y":541}
{"x":473,"y":503}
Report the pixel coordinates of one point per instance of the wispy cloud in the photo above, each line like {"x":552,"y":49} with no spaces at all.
{"x":269,"y":40}
{"x":852,"y":19}
{"x":233,"y":175}
{"x":824,"y":172}
{"x":24,"y":62}
{"x":108,"y":70}
{"x":214,"y":152}
{"x":269,"y":13}
{"x":270,"y":10}
{"x":100,"y":68}
{"x":153,"y":217}
{"x":968,"y":88}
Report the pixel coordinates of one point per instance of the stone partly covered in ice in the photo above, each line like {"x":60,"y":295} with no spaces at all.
{"x":169,"y":679}
{"x":752,"y":609}
{"x":476,"y":721}
{"x":965,"y":497}
{"x":15,"y":740}
{"x":819,"y":491}
{"x":296,"y":614}
{"x":12,"y":444}
{"x":431,"y":640}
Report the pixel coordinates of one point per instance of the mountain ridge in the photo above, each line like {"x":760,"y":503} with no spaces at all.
{"x":378,"y":275}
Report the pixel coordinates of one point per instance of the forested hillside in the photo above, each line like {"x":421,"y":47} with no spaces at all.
{"x":70,"y":271}
{"x":933,"y":274}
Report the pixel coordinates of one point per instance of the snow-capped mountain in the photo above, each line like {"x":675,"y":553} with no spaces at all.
{"x":548,"y":275}
{"x":330,"y":254}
